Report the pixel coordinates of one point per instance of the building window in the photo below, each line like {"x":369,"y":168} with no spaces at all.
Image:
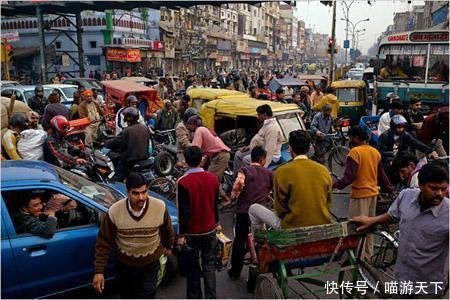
{"x":89,"y":22}
{"x":93,"y":44}
{"x":84,"y":22}
{"x":254,"y":31}
{"x":58,"y":45}
{"x":94,"y":22}
{"x":99,"y":21}
{"x":120,"y":41}
{"x":103,"y":21}
{"x":114,"y":41}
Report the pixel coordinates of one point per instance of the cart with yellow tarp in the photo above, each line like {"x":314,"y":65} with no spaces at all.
{"x":203,"y":95}
{"x":236,"y":120}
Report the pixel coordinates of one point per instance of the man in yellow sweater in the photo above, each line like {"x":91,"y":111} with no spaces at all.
{"x":330,"y":99}
{"x":302,"y":191}
{"x":363,"y":170}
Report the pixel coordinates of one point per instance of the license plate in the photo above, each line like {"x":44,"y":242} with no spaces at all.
{"x":344,"y":129}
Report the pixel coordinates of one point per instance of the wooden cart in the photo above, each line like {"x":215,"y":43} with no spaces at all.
{"x":335,"y":247}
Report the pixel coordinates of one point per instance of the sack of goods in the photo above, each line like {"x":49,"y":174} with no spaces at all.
{"x":31,"y":144}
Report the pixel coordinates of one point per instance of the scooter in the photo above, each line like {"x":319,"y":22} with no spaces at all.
{"x":99,"y":167}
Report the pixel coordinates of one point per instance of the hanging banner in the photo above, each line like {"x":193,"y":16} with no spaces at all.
{"x":124,"y":55}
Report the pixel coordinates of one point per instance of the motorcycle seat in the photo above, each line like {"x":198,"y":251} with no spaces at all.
{"x":143,"y":165}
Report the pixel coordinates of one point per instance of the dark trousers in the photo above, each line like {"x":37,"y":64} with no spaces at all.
{"x":203,"y":246}
{"x":122,"y":170}
{"x":241,"y":228}
{"x":138,"y":282}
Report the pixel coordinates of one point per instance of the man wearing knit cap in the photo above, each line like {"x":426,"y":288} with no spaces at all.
{"x":139,"y":230}
{"x":90,"y":109}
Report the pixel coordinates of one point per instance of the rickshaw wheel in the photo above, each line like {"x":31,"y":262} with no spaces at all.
{"x":164,"y":163}
{"x":267,"y":287}
{"x":337,"y":160}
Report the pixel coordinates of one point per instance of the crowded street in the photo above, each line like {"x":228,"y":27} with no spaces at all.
{"x":224,"y":149}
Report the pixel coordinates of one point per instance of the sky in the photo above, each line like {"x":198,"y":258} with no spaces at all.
{"x":381,"y":14}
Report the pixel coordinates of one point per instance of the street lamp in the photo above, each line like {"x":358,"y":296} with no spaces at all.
{"x":354,"y":30}
{"x":347,"y":6}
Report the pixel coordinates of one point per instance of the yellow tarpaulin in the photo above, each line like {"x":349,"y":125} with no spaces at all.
{"x":211,"y":94}
{"x":342,"y":84}
{"x":239,"y":107}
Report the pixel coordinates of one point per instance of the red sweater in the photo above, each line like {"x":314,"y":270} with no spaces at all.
{"x":198,"y":199}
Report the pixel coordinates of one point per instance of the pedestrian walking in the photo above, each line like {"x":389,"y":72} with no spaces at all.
{"x":139,"y":230}
{"x":362,"y":170}
{"x":198,"y":219}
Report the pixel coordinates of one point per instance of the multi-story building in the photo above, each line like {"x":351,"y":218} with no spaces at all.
{"x":290,"y":24}
{"x":112,"y":40}
{"x":272,"y":12}
{"x":436,"y":14}
{"x":301,"y":39}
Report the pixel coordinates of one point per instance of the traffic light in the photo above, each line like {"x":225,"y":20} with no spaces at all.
{"x":327,"y":3}
{"x":330,"y":46}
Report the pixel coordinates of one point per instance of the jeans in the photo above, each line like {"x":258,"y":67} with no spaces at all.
{"x":204,"y":246}
{"x":138,"y":282}
{"x":260,"y":216}
{"x":241,"y":228}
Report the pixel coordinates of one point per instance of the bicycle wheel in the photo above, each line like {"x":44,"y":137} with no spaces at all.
{"x":337,"y":159}
{"x":267,"y":287}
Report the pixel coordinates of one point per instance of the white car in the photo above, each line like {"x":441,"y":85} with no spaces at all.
{"x":23,"y":92}
{"x":65,"y":91}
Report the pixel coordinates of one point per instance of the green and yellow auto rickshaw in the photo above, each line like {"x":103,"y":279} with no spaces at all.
{"x":352,"y":98}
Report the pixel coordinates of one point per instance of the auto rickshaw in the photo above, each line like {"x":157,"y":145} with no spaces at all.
{"x":203,"y":95}
{"x":236,"y":122}
{"x":117,"y":91}
{"x":352,"y":98}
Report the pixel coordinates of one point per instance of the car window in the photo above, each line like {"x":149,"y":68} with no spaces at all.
{"x":68,"y":91}
{"x":7,"y":93}
{"x":288,"y":123}
{"x":32,"y":217}
{"x":349,"y":95}
{"x":19,"y":95}
{"x":95,"y":84}
{"x":94,"y":191}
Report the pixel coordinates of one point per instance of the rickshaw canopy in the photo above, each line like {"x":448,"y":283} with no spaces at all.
{"x":124,"y":87}
{"x":118,"y":90}
{"x":276,"y":83}
{"x":211,"y":94}
{"x":140,"y":79}
{"x":343,"y":84}
{"x":240,"y":107}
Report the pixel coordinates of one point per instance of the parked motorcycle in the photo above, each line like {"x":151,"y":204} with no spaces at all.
{"x":99,"y":167}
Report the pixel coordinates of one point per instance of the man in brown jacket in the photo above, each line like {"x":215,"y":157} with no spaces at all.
{"x":89,"y":108}
{"x":139,"y":230}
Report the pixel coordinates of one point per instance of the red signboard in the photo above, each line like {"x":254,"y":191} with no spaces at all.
{"x":124,"y":55}
{"x":158,"y":46}
{"x":398,"y":37}
{"x":429,"y":37}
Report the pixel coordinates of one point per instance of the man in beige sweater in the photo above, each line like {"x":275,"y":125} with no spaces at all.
{"x":269,"y":137}
{"x":139,"y":231}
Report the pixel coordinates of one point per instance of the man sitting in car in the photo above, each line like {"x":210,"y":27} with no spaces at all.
{"x":31,"y":219}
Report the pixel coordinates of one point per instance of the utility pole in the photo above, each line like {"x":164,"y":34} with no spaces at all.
{"x":40,"y":22}
{"x":333,"y":37}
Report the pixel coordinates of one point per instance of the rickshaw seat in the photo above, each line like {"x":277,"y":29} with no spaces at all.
{"x":311,"y":261}
{"x":143,"y":165}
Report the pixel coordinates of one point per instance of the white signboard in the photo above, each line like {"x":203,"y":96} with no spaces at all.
{"x":65,"y":59}
{"x":10,"y":36}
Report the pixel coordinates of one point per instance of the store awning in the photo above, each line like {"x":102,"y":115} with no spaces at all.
{"x":19,"y":53}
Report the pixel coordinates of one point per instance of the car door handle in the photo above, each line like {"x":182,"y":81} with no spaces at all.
{"x":36,"y":250}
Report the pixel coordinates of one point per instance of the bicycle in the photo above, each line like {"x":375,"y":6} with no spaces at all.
{"x":335,"y":153}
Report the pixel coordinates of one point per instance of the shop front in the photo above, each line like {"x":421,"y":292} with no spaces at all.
{"x":123,"y":60}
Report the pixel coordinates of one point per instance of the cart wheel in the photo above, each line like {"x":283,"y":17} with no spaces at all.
{"x":384,"y":250}
{"x":373,"y":278}
{"x":266,"y":287}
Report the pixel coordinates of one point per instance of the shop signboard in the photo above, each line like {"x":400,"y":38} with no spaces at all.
{"x":124,"y":55}
{"x":223,"y":58}
{"x":223,"y":45}
{"x":158,"y":46}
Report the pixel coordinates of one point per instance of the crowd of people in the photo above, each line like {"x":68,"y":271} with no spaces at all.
{"x":139,"y":228}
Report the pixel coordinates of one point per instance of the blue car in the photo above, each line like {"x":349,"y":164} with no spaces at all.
{"x":35,"y":267}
